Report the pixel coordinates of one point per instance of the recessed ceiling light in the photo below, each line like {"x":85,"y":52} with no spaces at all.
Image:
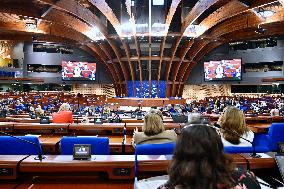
{"x":158,"y":2}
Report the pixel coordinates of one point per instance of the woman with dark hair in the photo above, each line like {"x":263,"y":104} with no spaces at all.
{"x":199,"y":162}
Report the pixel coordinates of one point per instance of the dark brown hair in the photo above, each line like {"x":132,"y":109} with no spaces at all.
{"x":199,"y":161}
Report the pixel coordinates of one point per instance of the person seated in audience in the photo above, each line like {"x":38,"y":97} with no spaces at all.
{"x":64,"y":115}
{"x":153,"y":130}
{"x":233,"y":122}
{"x":86,"y":118}
{"x":281,"y":109}
{"x":274,"y":111}
{"x":199,"y":162}
{"x":38,"y":111}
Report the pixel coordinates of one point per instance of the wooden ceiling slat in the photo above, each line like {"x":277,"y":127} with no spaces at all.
{"x":168,"y":22}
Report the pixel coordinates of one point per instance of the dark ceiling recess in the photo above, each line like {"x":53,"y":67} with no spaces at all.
{"x":247,"y":3}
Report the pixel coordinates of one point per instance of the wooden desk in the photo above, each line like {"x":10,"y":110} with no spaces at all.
{"x":145,"y":102}
{"x":259,"y":119}
{"x":117,"y":166}
{"x":259,"y":127}
{"x":265,"y":161}
{"x":129,"y":149}
{"x":61,"y":128}
{"x":7,"y":127}
{"x":115,"y":145}
{"x":50,"y":144}
{"x":114,"y":128}
{"x":131,"y":126}
{"x":8,"y":166}
{"x":278,"y":119}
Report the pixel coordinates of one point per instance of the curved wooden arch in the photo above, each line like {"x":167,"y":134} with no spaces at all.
{"x":199,"y":8}
{"x":107,"y":12}
{"x":239,"y":33}
{"x":232,"y":24}
{"x":84,"y":14}
{"x":227,"y":11}
{"x":168,"y":22}
{"x":57,"y":16}
{"x":50,"y":30}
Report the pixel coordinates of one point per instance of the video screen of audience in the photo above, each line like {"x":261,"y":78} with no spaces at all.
{"x":78,"y":70}
{"x":223,"y":70}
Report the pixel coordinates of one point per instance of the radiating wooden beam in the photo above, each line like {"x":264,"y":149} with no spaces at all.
{"x":200,"y":7}
{"x":183,"y":52}
{"x":137,"y":44}
{"x":82,"y":13}
{"x":109,"y":14}
{"x":168,"y":22}
{"x":126,"y":47}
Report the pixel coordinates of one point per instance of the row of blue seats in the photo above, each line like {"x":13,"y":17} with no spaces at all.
{"x":100,"y":145}
{"x":7,"y":74}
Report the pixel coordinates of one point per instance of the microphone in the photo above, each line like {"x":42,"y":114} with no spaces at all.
{"x":40,"y":156}
{"x":253,"y":155}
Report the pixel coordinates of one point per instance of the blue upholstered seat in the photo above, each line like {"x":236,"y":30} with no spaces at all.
{"x":12,"y":146}
{"x":155,"y":149}
{"x":260,"y":141}
{"x":263,"y":142}
{"x":100,"y":145}
{"x":237,"y":149}
{"x":275,"y":135}
{"x":152,"y":149}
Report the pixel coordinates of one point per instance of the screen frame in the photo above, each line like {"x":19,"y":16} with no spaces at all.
{"x":78,"y":78}
{"x":221,"y":80}
{"x":87,"y":156}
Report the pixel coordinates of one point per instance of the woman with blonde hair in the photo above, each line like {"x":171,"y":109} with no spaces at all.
{"x":64,"y":107}
{"x":153,"y":130}
{"x":233,"y":125}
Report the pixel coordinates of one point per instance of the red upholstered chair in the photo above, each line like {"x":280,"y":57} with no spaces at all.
{"x":62,"y":117}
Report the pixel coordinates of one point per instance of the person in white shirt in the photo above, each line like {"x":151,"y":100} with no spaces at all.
{"x":233,"y":122}
{"x":274,"y":111}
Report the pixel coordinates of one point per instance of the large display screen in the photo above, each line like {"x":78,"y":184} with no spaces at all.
{"x":223,"y":70}
{"x":78,"y":70}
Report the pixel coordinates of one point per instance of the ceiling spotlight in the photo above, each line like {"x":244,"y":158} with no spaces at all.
{"x":31,"y":26}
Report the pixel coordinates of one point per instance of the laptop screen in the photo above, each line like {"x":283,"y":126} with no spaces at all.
{"x":280,"y":163}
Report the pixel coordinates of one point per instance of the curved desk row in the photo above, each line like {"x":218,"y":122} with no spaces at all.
{"x":116,"y":166}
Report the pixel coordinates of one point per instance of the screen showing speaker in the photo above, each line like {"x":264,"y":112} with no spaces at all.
{"x":78,"y":70}
{"x":222,"y":70}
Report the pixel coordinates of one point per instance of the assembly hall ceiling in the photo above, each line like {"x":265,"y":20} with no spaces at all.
{"x":140,"y":40}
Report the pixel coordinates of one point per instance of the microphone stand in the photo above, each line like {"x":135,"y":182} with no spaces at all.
{"x":40,"y":156}
{"x":254,"y":154}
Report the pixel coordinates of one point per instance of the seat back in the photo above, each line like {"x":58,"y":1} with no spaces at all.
{"x":276,"y":135}
{"x":155,"y":149}
{"x":100,"y":145}
{"x":152,"y":149}
{"x":13,"y":146}
{"x":237,"y":149}
{"x":261,"y":143}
